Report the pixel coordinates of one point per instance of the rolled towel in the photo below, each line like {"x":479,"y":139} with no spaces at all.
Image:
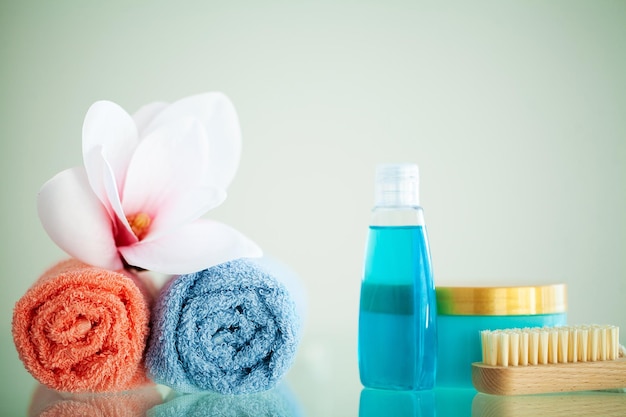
{"x":84,"y":329}
{"x":231,"y":329}
{"x":49,"y":403}
{"x":277,"y":402}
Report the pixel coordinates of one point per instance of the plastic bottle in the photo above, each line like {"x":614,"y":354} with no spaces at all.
{"x":397,"y":318}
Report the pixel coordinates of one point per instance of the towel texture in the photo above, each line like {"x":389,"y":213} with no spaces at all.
{"x":277,"y":402}
{"x":49,"y":403}
{"x":83,"y":329}
{"x":231,"y":329}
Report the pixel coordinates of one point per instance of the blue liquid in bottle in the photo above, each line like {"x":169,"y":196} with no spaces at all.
{"x":397,"y":318}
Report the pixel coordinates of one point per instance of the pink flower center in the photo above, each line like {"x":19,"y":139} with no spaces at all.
{"x":140,"y":224}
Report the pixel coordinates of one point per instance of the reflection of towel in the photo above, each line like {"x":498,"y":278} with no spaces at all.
{"x":231,"y":329}
{"x":277,"y":402}
{"x":50,"y":403}
{"x":81,"y":328}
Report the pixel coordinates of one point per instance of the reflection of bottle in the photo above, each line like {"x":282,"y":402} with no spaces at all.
{"x":397,"y":333}
{"x":376,"y":402}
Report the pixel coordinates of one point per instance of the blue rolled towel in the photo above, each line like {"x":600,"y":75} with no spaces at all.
{"x":231,"y":329}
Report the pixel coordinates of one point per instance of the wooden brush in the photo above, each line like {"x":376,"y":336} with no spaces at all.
{"x":551,"y":359}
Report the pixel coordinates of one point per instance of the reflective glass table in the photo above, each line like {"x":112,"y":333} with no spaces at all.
{"x":323,"y":382}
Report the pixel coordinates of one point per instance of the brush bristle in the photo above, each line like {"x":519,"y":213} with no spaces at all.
{"x":539,"y":346}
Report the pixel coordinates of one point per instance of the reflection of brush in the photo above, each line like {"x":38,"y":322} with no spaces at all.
{"x":556,"y":359}
{"x":577,"y":404}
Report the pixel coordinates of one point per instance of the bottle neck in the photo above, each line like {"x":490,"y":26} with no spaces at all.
{"x":397,"y":216}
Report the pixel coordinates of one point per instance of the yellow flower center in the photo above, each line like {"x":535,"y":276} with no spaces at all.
{"x":139,"y":223}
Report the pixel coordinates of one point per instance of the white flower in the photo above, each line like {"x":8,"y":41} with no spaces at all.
{"x":146,"y":181}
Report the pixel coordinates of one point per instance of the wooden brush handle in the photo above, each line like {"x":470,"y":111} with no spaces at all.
{"x":537,"y":379}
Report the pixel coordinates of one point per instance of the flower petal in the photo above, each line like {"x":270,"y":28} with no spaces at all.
{"x":109,"y":127}
{"x":146,"y":114}
{"x":217,"y":114}
{"x":109,"y":194}
{"x":123,"y":231}
{"x":192,"y":247}
{"x":166,"y":180}
{"x":184,"y":208}
{"x":76,"y":221}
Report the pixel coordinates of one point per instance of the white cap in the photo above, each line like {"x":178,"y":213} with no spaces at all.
{"x":397,"y":185}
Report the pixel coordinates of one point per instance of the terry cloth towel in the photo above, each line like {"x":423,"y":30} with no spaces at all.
{"x":49,"y":403}
{"x":84,"y":329}
{"x":231,"y":329}
{"x":277,"y":402}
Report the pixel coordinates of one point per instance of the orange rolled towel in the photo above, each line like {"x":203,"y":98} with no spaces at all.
{"x":49,"y":403}
{"x":83,"y":329}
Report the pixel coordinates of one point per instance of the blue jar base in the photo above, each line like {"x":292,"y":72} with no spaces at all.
{"x":459,"y":342}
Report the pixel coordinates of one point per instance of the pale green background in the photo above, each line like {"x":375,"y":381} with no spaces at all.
{"x":515,"y":111}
